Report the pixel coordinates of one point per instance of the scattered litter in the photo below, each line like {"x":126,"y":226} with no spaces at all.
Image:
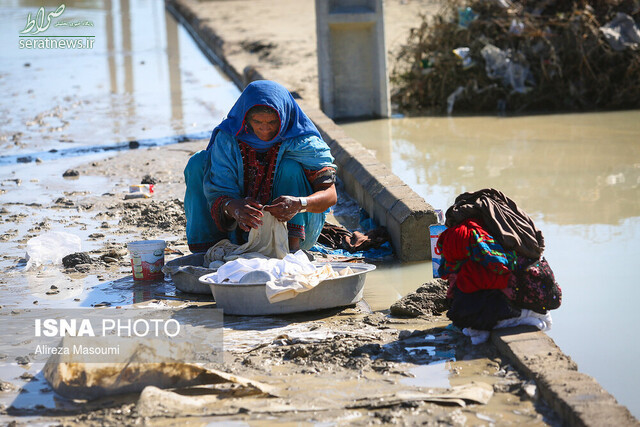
{"x":530,"y":390}
{"x":484,"y":417}
{"x":465,"y":16}
{"x":451,"y":99}
{"x":516,"y":27}
{"x":622,"y":32}
{"x":538,"y":56}
{"x":139,"y":191}
{"x":501,"y":65}
{"x":463,"y":53}
{"x":474,"y":392}
{"x":51,"y":247}
{"x":202,"y":401}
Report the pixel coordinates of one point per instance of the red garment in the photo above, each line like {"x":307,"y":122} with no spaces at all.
{"x":259,"y":171}
{"x":469,"y":275}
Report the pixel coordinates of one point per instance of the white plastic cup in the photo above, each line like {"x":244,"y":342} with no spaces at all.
{"x":147,"y":259}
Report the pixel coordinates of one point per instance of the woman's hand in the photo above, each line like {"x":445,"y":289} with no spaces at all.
{"x":284,"y":208}
{"x":247,"y":212}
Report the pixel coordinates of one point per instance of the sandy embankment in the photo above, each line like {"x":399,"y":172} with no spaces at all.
{"x":279,"y":37}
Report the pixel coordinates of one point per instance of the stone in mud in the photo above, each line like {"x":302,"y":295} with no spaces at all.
{"x":115,"y":252}
{"x":429,"y":299}
{"x":64,"y":201}
{"x":368,"y":349}
{"x":148,"y":179}
{"x":23,"y":360}
{"x":70,"y":173}
{"x":6,"y":386}
{"x":83,"y":268}
{"x":73,"y":260}
{"x":26,"y":376}
{"x":296,"y":352}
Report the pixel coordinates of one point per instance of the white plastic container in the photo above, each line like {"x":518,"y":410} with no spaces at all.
{"x":147,"y":259}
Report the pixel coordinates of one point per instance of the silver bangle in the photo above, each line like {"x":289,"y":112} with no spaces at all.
{"x":224,"y":207}
{"x":303,"y":202}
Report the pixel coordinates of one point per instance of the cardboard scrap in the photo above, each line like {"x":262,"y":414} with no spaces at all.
{"x":73,"y":378}
{"x":154,"y":402}
{"x":474,"y":392}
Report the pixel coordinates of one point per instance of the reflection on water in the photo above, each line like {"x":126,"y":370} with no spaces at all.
{"x":435,"y":375}
{"x":578,"y":177}
{"x":143,"y":78}
{"x":569,"y":169}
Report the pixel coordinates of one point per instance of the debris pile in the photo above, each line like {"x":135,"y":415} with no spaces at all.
{"x":522,"y":56}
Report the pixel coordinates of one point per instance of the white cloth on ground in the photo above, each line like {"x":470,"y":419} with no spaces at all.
{"x":270,"y":240}
{"x":291,"y":275}
{"x":527,"y":317}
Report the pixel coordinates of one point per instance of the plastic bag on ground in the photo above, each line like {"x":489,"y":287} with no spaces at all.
{"x":500,"y":65}
{"x":622,"y":32}
{"x":51,"y":247}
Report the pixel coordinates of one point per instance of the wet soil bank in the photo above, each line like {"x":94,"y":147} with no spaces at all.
{"x":342,"y":365}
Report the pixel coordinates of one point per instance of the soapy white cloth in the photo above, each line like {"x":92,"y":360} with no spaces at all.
{"x":270,"y":240}
{"x":527,"y":317}
{"x":291,"y":275}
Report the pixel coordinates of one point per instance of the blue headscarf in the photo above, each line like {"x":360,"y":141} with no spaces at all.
{"x":293,"y":121}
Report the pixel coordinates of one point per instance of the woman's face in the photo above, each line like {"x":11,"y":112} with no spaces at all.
{"x":265,"y":125}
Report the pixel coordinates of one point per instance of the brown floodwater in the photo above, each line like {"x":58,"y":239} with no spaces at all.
{"x":137,"y":76}
{"x":578,"y":177}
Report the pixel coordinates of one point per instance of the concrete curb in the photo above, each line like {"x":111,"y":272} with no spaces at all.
{"x":385,"y":197}
{"x":576,"y":397}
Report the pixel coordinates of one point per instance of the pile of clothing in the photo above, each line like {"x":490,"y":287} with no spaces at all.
{"x":492,"y":258}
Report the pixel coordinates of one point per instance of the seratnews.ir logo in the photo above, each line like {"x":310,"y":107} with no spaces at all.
{"x":32,"y":37}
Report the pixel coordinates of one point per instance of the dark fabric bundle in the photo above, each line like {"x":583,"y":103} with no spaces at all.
{"x":502,"y":218}
{"x":337,"y":237}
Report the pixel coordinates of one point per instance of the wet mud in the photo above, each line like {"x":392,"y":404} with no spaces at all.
{"x":346,"y":365}
{"x":430,"y":299}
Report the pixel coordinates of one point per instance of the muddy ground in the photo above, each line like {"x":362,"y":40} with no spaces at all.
{"x":344,"y":365}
